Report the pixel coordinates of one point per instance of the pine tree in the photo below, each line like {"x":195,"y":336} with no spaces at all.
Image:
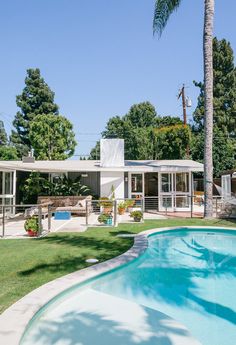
{"x":224,"y":90}
{"x":36,"y":99}
{"x":224,"y":117}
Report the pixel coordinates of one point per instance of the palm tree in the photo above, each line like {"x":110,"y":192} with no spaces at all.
{"x":163,"y":10}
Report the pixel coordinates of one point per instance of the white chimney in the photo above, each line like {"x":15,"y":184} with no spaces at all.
{"x":112,"y":153}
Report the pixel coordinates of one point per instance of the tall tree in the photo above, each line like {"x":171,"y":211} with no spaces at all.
{"x":140,"y":130}
{"x":8,"y":153}
{"x":52,"y":137}
{"x":37,"y":98}
{"x":3,"y":134}
{"x":171,"y":141}
{"x":224,"y":90}
{"x":224,"y":150}
{"x":224,"y":132}
{"x":163,"y":10}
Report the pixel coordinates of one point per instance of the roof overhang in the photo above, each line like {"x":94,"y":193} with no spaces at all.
{"x":94,"y":166}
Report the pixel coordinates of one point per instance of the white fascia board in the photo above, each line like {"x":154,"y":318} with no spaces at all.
{"x":50,"y":167}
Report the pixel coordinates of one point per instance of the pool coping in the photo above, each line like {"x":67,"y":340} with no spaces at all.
{"x":14,"y":320}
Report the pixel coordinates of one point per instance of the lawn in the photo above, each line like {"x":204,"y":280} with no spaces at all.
{"x":27,"y":264}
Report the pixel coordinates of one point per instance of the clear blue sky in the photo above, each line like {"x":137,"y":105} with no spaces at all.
{"x":100,"y":57}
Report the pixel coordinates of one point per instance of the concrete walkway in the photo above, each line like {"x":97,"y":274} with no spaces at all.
{"x":14,"y":228}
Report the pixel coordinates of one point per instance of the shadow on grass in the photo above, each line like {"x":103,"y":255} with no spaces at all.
{"x":102,"y":249}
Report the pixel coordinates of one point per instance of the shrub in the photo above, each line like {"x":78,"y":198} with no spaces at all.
{"x":32,"y":224}
{"x":136,"y":215}
{"x":104,"y":217}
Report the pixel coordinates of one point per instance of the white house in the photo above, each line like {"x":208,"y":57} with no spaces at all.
{"x":170,"y":181}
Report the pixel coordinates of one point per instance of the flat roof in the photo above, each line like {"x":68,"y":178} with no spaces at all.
{"x":94,"y":165}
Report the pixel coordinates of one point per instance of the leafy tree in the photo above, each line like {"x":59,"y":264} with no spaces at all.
{"x":224,"y":150}
{"x":8,"y":153}
{"x":142,"y":115}
{"x":139,"y":144}
{"x":171,"y":142}
{"x":134,"y":128}
{"x":162,"y":12}
{"x":3,"y":134}
{"x":95,"y":152}
{"x":166,"y":121}
{"x":52,"y":137}
{"x":137,"y":129}
{"x":36,"y":99}
{"x":224,"y":91}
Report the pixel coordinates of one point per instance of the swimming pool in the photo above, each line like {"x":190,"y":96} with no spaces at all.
{"x":189,"y":275}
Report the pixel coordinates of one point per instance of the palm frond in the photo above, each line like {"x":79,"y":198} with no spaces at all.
{"x":162,"y":12}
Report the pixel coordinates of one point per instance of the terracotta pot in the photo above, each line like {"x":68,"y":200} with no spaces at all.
{"x":32,"y":233}
{"x":121,"y":211}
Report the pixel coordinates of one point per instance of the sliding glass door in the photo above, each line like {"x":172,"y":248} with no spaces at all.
{"x":174,"y":191}
{"x":7,"y":190}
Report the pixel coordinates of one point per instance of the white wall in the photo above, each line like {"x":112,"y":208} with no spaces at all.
{"x":112,"y":152}
{"x":109,"y":179}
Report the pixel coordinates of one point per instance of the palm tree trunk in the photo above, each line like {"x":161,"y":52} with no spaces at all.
{"x":208,"y":92}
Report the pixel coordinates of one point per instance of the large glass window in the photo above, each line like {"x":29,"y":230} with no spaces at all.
{"x":166,"y":183}
{"x":182,"y":182}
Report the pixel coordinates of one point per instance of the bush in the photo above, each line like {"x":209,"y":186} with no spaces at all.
{"x":32,"y":224}
{"x":104,"y":217}
{"x":136,"y":215}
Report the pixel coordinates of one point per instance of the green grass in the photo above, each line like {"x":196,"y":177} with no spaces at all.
{"x":27,"y":264}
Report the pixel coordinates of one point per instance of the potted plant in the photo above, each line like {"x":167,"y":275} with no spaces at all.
{"x":129,"y":204}
{"x":106,"y":204}
{"x":32,"y":226}
{"x":121,"y":207}
{"x":136,"y":215}
{"x":105,"y":218}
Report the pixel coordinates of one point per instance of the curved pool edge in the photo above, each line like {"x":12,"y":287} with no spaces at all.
{"x":16,"y":318}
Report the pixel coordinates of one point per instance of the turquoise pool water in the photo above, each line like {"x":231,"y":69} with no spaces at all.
{"x":190,"y":275}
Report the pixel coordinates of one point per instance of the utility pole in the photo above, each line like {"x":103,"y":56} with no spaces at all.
{"x":182,"y":93}
{"x":186,"y":102}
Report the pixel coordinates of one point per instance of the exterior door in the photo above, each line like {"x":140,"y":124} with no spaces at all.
{"x":166,"y":196}
{"x":174,"y":191}
{"x":182,"y":191}
{"x":7,"y":190}
{"x":226,"y":186}
{"x":136,"y":185}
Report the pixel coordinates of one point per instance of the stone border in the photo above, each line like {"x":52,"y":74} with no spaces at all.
{"x":15,"y":319}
